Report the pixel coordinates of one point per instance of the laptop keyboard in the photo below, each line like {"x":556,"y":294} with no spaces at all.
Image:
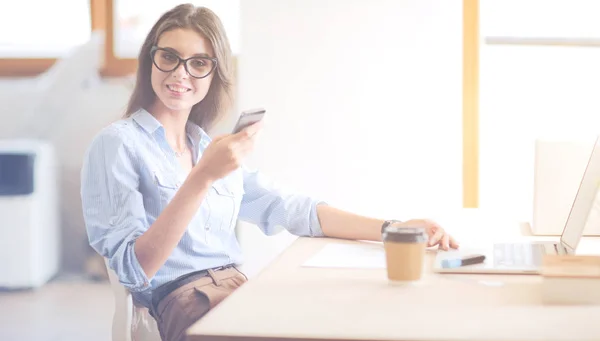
{"x":525,"y":255}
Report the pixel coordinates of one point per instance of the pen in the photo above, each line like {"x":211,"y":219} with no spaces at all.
{"x":467,"y":260}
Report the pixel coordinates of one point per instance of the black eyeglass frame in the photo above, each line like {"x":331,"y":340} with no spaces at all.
{"x":181,"y":60}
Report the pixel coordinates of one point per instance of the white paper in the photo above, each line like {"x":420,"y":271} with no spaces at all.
{"x":365,"y":256}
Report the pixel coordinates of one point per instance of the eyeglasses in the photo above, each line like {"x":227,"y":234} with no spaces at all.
{"x":167,"y":61}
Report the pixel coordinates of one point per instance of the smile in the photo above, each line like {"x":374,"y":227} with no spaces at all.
{"x":176,"y":88}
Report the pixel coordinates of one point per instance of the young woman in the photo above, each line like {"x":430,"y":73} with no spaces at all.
{"x":161,"y":198}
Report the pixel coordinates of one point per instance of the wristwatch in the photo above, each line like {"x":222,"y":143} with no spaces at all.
{"x":388,"y":223}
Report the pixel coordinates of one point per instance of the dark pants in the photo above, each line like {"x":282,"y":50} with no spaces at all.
{"x":179,"y":309}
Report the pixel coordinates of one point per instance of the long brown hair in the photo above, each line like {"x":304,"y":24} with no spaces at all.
{"x":219,"y":98}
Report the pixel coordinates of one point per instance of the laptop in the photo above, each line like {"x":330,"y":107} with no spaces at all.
{"x":526,"y":257}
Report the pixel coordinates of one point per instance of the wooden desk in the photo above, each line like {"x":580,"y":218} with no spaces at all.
{"x":290,"y":302}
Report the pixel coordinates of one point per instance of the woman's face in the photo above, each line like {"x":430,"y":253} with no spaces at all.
{"x":177,"y":90}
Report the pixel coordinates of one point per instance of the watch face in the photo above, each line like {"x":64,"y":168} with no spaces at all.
{"x":388,"y":223}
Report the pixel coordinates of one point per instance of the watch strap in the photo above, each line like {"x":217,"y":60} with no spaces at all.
{"x":388,"y":223}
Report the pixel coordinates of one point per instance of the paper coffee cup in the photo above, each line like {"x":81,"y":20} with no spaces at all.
{"x":404,"y":252}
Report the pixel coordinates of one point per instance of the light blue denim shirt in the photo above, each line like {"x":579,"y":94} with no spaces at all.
{"x":130,"y":174}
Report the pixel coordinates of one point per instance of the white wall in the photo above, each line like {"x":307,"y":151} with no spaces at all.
{"x":363,"y":101}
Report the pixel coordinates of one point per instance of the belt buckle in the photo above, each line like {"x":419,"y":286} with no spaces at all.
{"x":222,"y":267}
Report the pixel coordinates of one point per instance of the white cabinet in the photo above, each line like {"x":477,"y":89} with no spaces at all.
{"x":29,"y":217}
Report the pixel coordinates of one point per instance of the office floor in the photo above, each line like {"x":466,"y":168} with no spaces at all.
{"x":67,"y":308}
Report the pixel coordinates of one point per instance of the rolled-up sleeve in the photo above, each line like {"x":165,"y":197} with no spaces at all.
{"x":270,"y":208}
{"x":113,"y":206}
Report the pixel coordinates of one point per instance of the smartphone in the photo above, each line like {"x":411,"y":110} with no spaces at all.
{"x":248,"y":118}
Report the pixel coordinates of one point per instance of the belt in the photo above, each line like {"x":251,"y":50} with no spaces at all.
{"x":164,"y":290}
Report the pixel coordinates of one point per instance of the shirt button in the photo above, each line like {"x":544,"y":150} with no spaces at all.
{"x":207,"y":226}
{"x":111,"y":221}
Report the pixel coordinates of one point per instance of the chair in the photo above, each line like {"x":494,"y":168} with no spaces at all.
{"x":131,"y":322}
{"x":134,"y":323}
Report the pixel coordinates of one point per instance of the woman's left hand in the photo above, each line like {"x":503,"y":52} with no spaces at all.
{"x":436,"y":234}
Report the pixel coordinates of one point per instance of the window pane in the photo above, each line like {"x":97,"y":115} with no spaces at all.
{"x":42,"y":28}
{"x":540,"y":18}
{"x":529,"y":92}
{"x":134,"y":19}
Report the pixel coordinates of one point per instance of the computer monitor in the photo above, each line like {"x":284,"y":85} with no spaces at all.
{"x":583,"y":202}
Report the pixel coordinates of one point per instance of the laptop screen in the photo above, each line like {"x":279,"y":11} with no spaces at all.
{"x":584,"y":200}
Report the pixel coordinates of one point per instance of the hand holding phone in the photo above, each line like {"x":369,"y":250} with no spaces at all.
{"x":248,"y":118}
{"x":226,"y":153}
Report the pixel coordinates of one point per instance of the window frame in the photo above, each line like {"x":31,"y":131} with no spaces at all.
{"x":470,"y":103}
{"x":27,"y":67}
{"x":102,"y":18}
{"x":114,"y":66}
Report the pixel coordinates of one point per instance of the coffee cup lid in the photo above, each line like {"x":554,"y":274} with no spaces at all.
{"x":404,"y":234}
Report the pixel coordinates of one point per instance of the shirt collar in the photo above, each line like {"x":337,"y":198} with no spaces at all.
{"x":150,"y":124}
{"x":147,"y":121}
{"x":197,"y":134}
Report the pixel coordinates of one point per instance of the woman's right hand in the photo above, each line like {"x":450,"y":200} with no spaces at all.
{"x":226,"y":153}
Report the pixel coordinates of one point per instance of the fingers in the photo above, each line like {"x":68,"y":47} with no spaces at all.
{"x":236,"y":146}
{"x":444,"y":244}
{"x":437,"y":236}
{"x":453,"y":243}
{"x":239,"y":142}
{"x":446,"y":241}
{"x":244,"y":148}
{"x":219,"y":137}
{"x":249,"y":132}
